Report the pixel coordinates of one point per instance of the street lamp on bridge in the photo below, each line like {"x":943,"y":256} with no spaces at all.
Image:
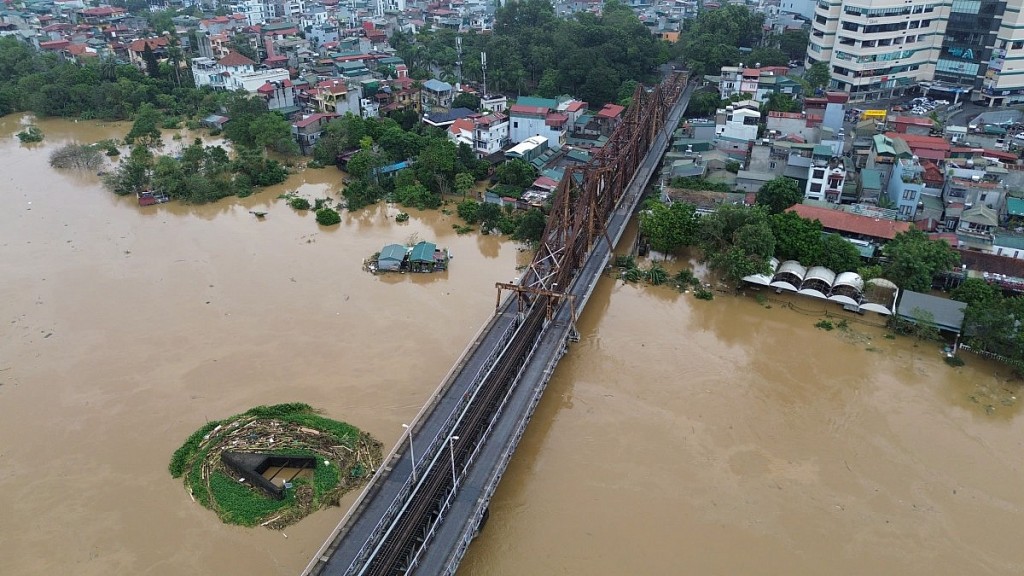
{"x":451,"y":450}
{"x":412,"y":453}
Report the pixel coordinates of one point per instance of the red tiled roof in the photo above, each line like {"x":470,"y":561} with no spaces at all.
{"x":556,"y":119}
{"x":1000,"y":155}
{"x":545,"y":182}
{"x":488,"y":119}
{"x":575,"y":106}
{"x":308,"y":120}
{"x":460,"y":125}
{"x":530,"y":110}
{"x":918,"y":141}
{"x":54,"y":45}
{"x":235,"y":59}
{"x":928,"y":154}
{"x":852,"y":223}
{"x":101,"y":11}
{"x":267,"y":88}
{"x":154,"y":43}
{"x":611,"y":111}
{"x":992,"y":263}
{"x":77,"y":49}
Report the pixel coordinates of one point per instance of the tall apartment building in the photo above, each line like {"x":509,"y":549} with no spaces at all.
{"x":1003,"y":81}
{"x":969,"y":39}
{"x":879,"y":48}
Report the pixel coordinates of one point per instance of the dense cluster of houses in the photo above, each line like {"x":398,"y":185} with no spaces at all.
{"x":317,"y":60}
{"x":864,"y":175}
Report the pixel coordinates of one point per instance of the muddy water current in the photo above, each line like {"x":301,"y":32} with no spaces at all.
{"x":678,"y":437}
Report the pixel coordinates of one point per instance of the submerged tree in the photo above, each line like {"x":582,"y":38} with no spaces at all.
{"x":81,"y":156}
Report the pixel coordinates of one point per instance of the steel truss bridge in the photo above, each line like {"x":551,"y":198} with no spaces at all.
{"x":429,"y":499}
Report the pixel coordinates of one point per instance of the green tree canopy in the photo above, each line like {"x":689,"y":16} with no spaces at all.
{"x":768,"y":56}
{"x":995,"y":325}
{"x":466,"y":100}
{"x":531,"y":226}
{"x":737,"y":241}
{"x":779,"y":194}
{"x":669,"y":227}
{"x":703,"y":103}
{"x":146,"y":128}
{"x":818,"y":75}
{"x":837,"y":254}
{"x":796,"y":238}
{"x":976,"y":291}
{"x":779,"y":102}
{"x":518,"y":173}
{"x":794,"y":43}
{"x":913,"y":260}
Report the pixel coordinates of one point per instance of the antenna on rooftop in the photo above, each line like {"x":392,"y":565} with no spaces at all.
{"x":483,"y":68}
{"x":458,"y":60}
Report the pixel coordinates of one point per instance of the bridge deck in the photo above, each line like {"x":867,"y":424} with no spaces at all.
{"x":394,"y":484}
{"x":463,"y":518}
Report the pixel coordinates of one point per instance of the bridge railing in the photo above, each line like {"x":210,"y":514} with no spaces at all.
{"x":374,"y":484}
{"x":429,"y":454}
{"x":469,"y":531}
{"x":479,"y":445}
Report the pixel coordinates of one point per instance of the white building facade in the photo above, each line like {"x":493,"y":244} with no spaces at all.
{"x":877,"y":48}
{"x":234,"y":72}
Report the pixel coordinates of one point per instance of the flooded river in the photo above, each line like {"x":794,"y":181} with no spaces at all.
{"x":678,"y":436}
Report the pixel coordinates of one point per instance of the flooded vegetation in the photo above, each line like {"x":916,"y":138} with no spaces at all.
{"x":724,"y":436}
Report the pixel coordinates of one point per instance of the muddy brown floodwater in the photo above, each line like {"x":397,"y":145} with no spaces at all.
{"x":678,"y":436}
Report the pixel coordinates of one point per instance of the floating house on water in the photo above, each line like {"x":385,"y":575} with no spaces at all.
{"x":391,"y":257}
{"x":422,"y":257}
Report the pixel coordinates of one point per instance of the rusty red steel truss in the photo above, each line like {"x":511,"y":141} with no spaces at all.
{"x":587,"y":195}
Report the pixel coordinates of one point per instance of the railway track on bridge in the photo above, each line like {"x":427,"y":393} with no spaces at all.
{"x":391,"y":527}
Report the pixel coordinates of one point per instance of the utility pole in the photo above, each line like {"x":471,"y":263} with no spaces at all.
{"x":458,"y":60}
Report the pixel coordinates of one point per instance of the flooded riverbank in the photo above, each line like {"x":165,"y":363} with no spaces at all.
{"x":126,"y":328}
{"x":732,"y":437}
{"x":677,"y":436}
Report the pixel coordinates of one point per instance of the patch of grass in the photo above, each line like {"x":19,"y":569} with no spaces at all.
{"x":625,"y":261}
{"x":704,"y":294}
{"x":299,"y":203}
{"x":656,"y":275}
{"x":240,"y":504}
{"x":181,"y":456}
{"x":402,"y":217}
{"x":824,"y":325}
{"x":31,"y":134}
{"x":843,"y":325}
{"x":890,"y":336}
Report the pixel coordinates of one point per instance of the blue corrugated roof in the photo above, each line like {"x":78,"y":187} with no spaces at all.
{"x":437,"y":86}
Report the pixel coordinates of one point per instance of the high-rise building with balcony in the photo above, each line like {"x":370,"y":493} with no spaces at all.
{"x":1003,"y":81}
{"x":878,"y":48}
